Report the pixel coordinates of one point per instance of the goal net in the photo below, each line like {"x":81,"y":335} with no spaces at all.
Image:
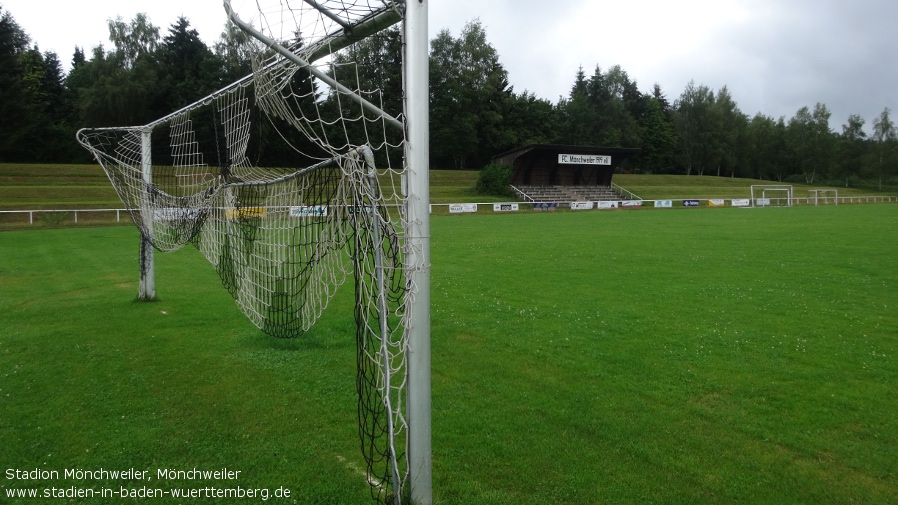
{"x":775,"y":195}
{"x":292,"y":181}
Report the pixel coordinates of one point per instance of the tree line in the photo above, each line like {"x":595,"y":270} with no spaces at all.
{"x":475,"y":112}
{"x":145,"y":75}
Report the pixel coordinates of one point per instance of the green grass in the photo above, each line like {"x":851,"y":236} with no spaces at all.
{"x":32,"y":187}
{"x":684,"y":358}
{"x":92,"y":379}
{"x":453,"y":186}
{"x":707,"y":356}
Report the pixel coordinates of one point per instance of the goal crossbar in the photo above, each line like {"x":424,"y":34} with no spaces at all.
{"x":371,"y":26}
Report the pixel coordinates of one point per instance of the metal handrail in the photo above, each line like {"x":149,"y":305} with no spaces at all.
{"x":622,"y":190}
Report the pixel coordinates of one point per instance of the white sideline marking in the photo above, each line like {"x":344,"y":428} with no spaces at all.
{"x":352,"y":466}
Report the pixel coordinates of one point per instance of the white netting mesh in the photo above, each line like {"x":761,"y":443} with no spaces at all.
{"x":289,"y":184}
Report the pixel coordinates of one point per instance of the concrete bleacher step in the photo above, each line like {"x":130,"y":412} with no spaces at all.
{"x":563,"y":194}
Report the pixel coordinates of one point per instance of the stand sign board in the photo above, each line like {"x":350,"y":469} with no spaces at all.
{"x":583,"y":159}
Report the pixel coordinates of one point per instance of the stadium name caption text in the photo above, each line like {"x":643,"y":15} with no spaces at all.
{"x":224,"y":486}
{"x":104,"y":474}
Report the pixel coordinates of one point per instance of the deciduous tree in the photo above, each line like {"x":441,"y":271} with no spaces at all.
{"x":810,"y":141}
{"x":469,"y":92}
{"x":884,"y":135}
{"x":695,"y":126}
{"x":852,"y":145}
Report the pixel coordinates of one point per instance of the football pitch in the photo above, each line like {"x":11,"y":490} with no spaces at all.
{"x":681,"y":356}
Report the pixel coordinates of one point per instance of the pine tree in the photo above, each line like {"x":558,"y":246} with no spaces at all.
{"x":13,"y":104}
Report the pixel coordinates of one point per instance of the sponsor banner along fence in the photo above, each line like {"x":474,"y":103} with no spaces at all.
{"x":505,"y":207}
{"x":461,"y":208}
{"x":174,"y":214}
{"x":658,"y":204}
{"x":244,"y":212}
{"x":308,"y":211}
{"x":10,"y":219}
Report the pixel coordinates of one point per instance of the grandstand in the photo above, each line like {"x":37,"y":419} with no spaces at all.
{"x":564,"y":194}
{"x":561,"y":173}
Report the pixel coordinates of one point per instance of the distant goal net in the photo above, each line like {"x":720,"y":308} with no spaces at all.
{"x":772,"y":195}
{"x":292,"y":181}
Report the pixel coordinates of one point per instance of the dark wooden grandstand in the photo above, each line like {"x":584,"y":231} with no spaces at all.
{"x":540,"y":175}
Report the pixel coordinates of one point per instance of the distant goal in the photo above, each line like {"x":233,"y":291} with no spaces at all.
{"x":823,"y":197}
{"x":772,"y":195}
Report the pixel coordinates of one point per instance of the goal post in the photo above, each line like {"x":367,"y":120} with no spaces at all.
{"x":766,"y":195}
{"x":823,"y":196}
{"x":147,"y":285}
{"x":417,"y":60}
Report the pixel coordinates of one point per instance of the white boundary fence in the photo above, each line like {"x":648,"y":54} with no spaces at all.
{"x":104,"y":216}
{"x":466,"y":208}
{"x":59,"y":216}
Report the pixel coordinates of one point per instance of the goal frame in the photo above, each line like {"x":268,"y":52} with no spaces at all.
{"x":818,"y":193}
{"x":415,"y":125}
{"x":417,"y":84}
{"x":762,"y":189}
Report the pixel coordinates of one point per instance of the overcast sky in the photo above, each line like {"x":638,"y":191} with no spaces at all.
{"x":775,"y":56}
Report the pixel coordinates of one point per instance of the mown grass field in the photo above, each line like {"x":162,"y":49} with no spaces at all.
{"x":24,"y":186}
{"x":693,"y":356}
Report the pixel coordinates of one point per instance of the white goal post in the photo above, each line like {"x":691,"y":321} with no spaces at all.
{"x":823,"y":196}
{"x":761,"y":195}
